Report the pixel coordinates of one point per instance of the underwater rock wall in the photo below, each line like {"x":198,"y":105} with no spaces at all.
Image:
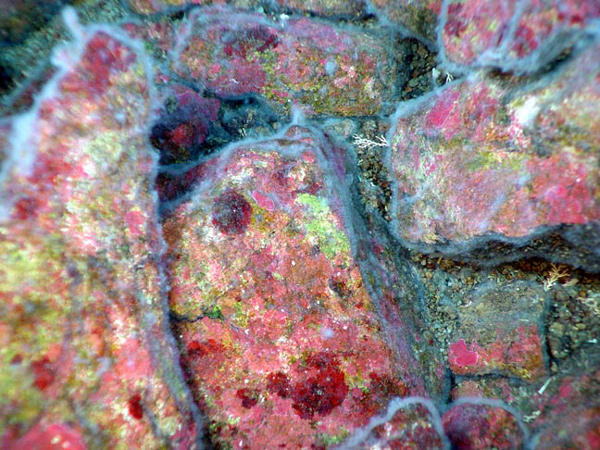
{"x":264,"y":224}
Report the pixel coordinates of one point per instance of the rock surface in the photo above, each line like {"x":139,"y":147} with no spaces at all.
{"x":342,"y":72}
{"x":490,"y":159}
{"x":275,"y":323}
{"x":499,"y":331}
{"x":520,"y":36}
{"x":86,"y":357}
{"x":181,"y":267}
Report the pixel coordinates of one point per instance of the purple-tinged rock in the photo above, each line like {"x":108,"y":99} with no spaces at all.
{"x":513,"y":35}
{"x":157,"y":35}
{"x":571,"y":417}
{"x":412,"y":422}
{"x":155,"y":6}
{"x":301,"y":61}
{"x":481,"y":424}
{"x":558,"y":412}
{"x":86,"y":360}
{"x":335,"y":8}
{"x":279,"y":337}
{"x":183,"y":126}
{"x":482,"y":160}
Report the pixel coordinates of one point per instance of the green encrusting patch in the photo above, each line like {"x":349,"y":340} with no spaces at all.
{"x":322,"y":227}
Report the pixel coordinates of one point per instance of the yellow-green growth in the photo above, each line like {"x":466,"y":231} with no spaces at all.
{"x":322,"y":227}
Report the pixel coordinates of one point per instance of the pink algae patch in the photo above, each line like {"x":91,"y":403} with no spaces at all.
{"x":263,"y":201}
{"x":25,"y":209}
{"x":459,"y":355}
{"x":135,"y":222}
{"x":54,"y":436}
{"x":134,"y":361}
{"x":440,"y":115}
{"x":562,"y":185}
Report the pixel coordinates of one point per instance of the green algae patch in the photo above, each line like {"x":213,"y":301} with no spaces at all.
{"x":323,"y":228}
{"x":16,"y":388}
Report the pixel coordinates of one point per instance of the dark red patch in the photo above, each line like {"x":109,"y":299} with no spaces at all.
{"x":231,"y":213}
{"x":281,"y":177}
{"x":249,"y":397}
{"x":321,"y":392}
{"x":525,"y":41}
{"x":279,"y":383}
{"x":170,"y":187}
{"x":177,"y":140}
{"x":25,"y":209}
{"x":201,"y":349}
{"x":135,"y":407}
{"x":385,"y":386}
{"x":43,"y":373}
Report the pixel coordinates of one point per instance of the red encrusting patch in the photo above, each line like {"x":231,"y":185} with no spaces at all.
{"x":43,"y":373}
{"x":322,"y":388}
{"x":231,"y":213}
{"x":324,"y":391}
{"x":455,"y":24}
{"x":249,"y":397}
{"x":135,"y":407}
{"x":279,"y":383}
{"x":25,"y":209}
{"x":382,"y":388}
{"x":103,"y":56}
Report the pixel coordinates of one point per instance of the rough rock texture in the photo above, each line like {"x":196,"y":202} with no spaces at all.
{"x":21,"y":17}
{"x":184,"y":126}
{"x":336,"y":8}
{"x":326,"y":284}
{"x":417,"y":17}
{"x":521,"y":36}
{"x":410,"y":422}
{"x":499,"y":331}
{"x":343,"y":72}
{"x":485,"y":158}
{"x":482,"y":426}
{"x":574,"y":403}
{"x":275,"y":322}
{"x":155,"y":6}
{"x":562,"y":412}
{"x":82,"y":323}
